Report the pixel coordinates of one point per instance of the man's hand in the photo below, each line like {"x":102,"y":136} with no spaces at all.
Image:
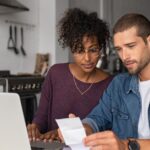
{"x":106,"y":140}
{"x":33,"y":132}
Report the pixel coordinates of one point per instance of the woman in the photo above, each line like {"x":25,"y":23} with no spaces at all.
{"x":73,"y":87}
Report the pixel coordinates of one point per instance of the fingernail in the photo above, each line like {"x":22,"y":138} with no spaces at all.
{"x":33,"y":138}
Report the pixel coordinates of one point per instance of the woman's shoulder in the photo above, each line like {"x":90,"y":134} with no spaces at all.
{"x":58,"y":67}
{"x":102,"y":75}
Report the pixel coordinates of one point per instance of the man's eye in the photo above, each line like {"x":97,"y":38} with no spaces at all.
{"x":117,"y":49}
{"x":131,"y":46}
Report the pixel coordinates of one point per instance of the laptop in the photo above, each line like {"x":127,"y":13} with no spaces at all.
{"x":13,"y":132}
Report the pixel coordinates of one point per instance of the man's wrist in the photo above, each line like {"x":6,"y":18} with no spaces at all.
{"x":88,"y":129}
{"x":125,"y":143}
{"x":133,"y":144}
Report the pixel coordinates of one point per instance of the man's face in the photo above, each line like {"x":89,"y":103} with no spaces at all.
{"x":132,"y":50}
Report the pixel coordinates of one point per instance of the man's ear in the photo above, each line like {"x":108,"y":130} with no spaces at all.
{"x":148,"y":39}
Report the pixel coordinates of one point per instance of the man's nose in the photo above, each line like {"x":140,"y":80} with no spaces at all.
{"x":124,"y":54}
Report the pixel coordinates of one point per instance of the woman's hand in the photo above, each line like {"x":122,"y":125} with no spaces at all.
{"x":33,"y":132}
{"x":50,"y":136}
{"x":35,"y":135}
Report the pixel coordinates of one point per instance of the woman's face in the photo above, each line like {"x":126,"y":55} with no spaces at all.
{"x":87,"y":58}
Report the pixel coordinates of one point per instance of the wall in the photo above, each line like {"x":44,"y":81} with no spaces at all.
{"x":47,"y":29}
{"x":8,"y":59}
{"x":120,"y":7}
{"x":50,"y":13}
{"x":89,"y":5}
{"x":62,"y":55}
{"x":42,"y":38}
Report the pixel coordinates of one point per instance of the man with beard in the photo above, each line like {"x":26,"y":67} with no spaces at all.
{"x":121,"y":120}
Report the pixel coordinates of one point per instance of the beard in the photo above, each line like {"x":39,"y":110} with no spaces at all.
{"x":140,"y":65}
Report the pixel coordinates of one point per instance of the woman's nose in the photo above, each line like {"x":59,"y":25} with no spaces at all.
{"x":87,"y":56}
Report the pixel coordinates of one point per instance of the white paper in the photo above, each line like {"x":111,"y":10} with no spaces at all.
{"x":79,"y":147}
{"x":73,"y":132}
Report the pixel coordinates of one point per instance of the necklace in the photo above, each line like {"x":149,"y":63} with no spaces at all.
{"x":81,"y":92}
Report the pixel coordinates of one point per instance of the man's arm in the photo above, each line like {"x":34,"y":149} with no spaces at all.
{"x":144,"y":143}
{"x":108,"y":140}
{"x":88,"y":129}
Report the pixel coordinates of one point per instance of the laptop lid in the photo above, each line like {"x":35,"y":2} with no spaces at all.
{"x":13,"y":133}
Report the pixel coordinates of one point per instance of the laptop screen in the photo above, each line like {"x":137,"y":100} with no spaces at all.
{"x":13,"y":133}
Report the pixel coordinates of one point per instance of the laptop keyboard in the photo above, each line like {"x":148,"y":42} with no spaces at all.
{"x":40,"y":145}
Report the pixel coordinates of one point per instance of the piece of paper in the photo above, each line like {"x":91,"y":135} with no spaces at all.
{"x":73,"y":132}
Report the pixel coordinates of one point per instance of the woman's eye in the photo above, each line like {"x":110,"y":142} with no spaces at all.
{"x":80,"y":52}
{"x":93,"y":50}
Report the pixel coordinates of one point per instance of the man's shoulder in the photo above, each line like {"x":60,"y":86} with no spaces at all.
{"x":120,"y":83}
{"x":122,"y":79}
{"x":123,"y":76}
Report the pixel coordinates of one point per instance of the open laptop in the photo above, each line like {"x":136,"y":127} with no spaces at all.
{"x":13,"y":133}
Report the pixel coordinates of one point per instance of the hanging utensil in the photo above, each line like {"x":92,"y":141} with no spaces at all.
{"x":11,"y":42}
{"x":22,"y":42}
{"x":15,"y":36}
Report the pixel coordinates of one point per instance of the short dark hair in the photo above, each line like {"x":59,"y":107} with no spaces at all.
{"x":76,"y":24}
{"x":139,"y":21}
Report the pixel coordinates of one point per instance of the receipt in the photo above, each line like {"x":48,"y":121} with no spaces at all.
{"x":73,"y":132}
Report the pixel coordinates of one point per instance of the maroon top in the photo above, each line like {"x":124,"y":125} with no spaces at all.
{"x":59,"y":97}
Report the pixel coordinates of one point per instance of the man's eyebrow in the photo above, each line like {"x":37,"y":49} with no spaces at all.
{"x":116,"y":47}
{"x":130,"y":43}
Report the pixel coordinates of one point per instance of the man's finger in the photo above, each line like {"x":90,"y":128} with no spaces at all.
{"x":72,"y":115}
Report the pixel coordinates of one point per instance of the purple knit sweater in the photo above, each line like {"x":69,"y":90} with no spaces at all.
{"x":59,"y":97}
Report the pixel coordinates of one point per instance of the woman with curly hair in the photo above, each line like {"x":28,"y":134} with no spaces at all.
{"x":73,"y":87}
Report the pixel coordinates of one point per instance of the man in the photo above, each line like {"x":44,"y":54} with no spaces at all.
{"x":123,"y":114}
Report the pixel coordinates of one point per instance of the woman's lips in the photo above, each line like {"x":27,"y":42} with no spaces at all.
{"x":88,"y":66}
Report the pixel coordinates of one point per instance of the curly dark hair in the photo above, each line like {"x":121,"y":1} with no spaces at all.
{"x":76,"y":24}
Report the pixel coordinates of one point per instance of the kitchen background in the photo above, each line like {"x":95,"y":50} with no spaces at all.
{"x":39,"y":26}
{"x":38,"y":30}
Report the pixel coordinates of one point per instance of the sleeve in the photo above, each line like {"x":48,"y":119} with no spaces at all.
{"x":41,"y":116}
{"x":100,"y":118}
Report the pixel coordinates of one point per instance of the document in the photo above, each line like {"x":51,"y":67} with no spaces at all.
{"x":73,"y":132}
